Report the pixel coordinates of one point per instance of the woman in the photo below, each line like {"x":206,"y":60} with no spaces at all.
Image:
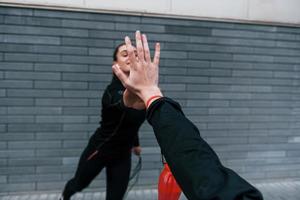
{"x":110,"y":146}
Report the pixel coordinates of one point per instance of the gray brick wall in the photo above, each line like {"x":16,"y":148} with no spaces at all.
{"x":239,"y":83}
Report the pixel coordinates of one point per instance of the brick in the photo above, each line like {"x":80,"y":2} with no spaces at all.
{"x":16,"y":170}
{"x":15,"y":84}
{"x":174,"y":54}
{"x":62,"y":136}
{"x":100,"y":51}
{"x":266,"y":154}
{"x":16,"y":66}
{"x":27,"y":57}
{"x":36,"y":110}
{"x":16,"y":153}
{"x":74,"y":144}
{"x":143,"y":27}
{"x":34,"y":161}
{"x":209,"y":72}
{"x":254,"y":58}
{"x":60,"y":85}
{"x":187,"y":30}
{"x":257,"y":74}
{"x":229,"y":111}
{"x":43,"y":31}
{"x":12,"y":187}
{"x":238,"y":88}
{"x":276,"y":51}
{"x":188,"y":95}
{"x":242,"y":33}
{"x":16,"y":11}
{"x":17,"y":119}
{"x":3,"y":179}
{"x":3,"y":145}
{"x":16,"y":101}
{"x":45,"y":153}
{"x":186,"y":79}
{"x":33,"y":93}
{"x":168,"y":37}
{"x":55,"y":169}
{"x":17,"y":136}
{"x":35,"y":21}
{"x":58,"y":67}
{"x":210,"y":56}
{"x":79,"y":127}
{"x":34,"y":127}
{"x":173,"y":71}
{"x":2,"y":92}
{"x":34,"y":178}
{"x":266,"y":139}
{"x":82,"y":110}
{"x":61,"y":119}
{"x":33,"y":75}
{"x":87,"y":24}
{"x":86,"y":77}
{"x":31,"y":39}
{"x":87,"y":42}
{"x":287,"y":44}
{"x":60,"y":14}
{"x":290,"y":75}
{"x":2,"y":128}
{"x":231,"y":65}
{"x":228,"y":95}
{"x":207,"y":103}
{"x":173,"y":87}
{"x":82,"y":94}
{"x":86,"y":59}
{"x":106,"y":69}
{"x":61,"y":50}
{"x":104,"y":34}
{"x":34,"y":145}
{"x":65,"y":102}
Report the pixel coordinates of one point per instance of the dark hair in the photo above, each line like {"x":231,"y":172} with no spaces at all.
{"x":116,"y":51}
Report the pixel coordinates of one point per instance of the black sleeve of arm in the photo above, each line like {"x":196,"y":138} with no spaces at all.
{"x":136,"y":141}
{"x":195,"y":165}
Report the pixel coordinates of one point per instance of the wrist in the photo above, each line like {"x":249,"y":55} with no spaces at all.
{"x":149,"y":92}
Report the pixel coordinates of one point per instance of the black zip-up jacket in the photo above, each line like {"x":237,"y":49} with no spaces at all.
{"x":118,"y":132}
{"x":195,"y":166}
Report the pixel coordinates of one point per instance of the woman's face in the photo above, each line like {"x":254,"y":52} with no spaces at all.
{"x":123,"y":59}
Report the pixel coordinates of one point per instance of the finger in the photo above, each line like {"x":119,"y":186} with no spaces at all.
{"x":146,"y":48}
{"x":130,"y":51}
{"x":139,"y":46}
{"x":120,"y":74}
{"x":156,"y":54}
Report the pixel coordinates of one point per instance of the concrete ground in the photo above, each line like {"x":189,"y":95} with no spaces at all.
{"x":286,"y":190}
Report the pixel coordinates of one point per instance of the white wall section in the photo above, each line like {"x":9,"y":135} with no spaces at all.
{"x":263,"y":11}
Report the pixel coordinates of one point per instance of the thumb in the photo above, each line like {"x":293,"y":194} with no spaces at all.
{"x":120,"y":74}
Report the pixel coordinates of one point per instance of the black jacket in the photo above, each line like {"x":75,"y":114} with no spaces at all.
{"x":194,"y":164}
{"x":118,"y":132}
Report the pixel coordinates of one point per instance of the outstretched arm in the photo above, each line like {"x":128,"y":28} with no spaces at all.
{"x":195,"y":165}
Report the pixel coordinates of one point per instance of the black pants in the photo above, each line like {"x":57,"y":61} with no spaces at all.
{"x":117,"y":173}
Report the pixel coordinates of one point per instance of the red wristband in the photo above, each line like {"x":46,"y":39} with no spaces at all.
{"x":151,"y":98}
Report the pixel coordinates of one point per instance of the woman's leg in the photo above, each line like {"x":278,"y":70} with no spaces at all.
{"x":86,"y":171}
{"x":117,"y":178}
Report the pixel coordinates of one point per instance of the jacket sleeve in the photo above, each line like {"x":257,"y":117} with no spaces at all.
{"x":196,"y":167}
{"x":136,"y":141}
